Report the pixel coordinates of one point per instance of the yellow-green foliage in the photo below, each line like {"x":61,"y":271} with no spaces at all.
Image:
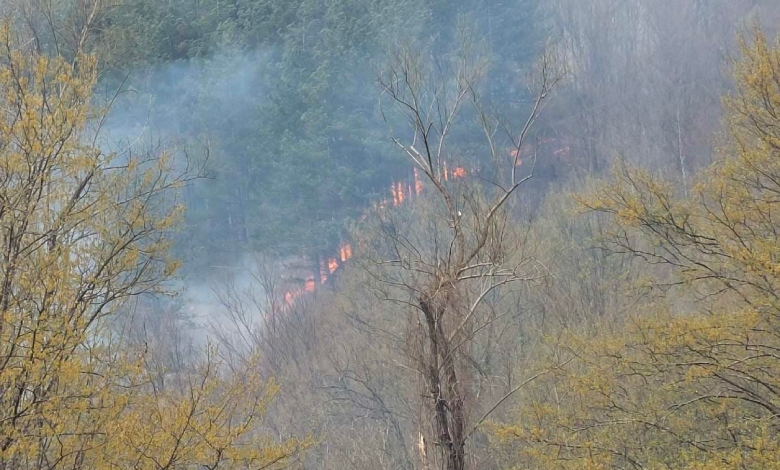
{"x":696,"y":390}
{"x":80,"y":232}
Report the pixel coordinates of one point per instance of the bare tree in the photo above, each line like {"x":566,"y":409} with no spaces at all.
{"x":645,"y":79}
{"x":65,"y":28}
{"x":448,"y":275}
{"x":258,"y":316}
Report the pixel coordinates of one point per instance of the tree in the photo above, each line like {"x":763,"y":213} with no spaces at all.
{"x":318,"y":147}
{"x":446,"y":276}
{"x":81,"y":233}
{"x":651,"y":96}
{"x":690,"y":382}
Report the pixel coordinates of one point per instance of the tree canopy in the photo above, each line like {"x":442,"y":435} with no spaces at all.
{"x":82,"y":233}
{"x":682,"y":386}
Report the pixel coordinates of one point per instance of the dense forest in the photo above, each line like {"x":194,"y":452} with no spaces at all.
{"x":368,"y":234}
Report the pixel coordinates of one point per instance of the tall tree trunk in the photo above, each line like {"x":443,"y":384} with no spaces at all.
{"x":442,"y":381}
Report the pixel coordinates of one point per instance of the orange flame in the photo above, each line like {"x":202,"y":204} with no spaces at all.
{"x":346,"y":251}
{"x":417,"y":182}
{"x":401,"y":191}
{"x":323,"y":273}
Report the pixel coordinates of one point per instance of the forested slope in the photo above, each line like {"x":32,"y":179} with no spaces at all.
{"x":551,"y":227}
{"x":285,"y":93}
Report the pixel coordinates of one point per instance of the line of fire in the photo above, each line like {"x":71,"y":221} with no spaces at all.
{"x":400,"y":192}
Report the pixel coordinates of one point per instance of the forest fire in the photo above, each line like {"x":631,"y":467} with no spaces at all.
{"x":327,"y":266}
{"x":400,"y":193}
{"x":346,"y":252}
{"x":333,"y":265}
